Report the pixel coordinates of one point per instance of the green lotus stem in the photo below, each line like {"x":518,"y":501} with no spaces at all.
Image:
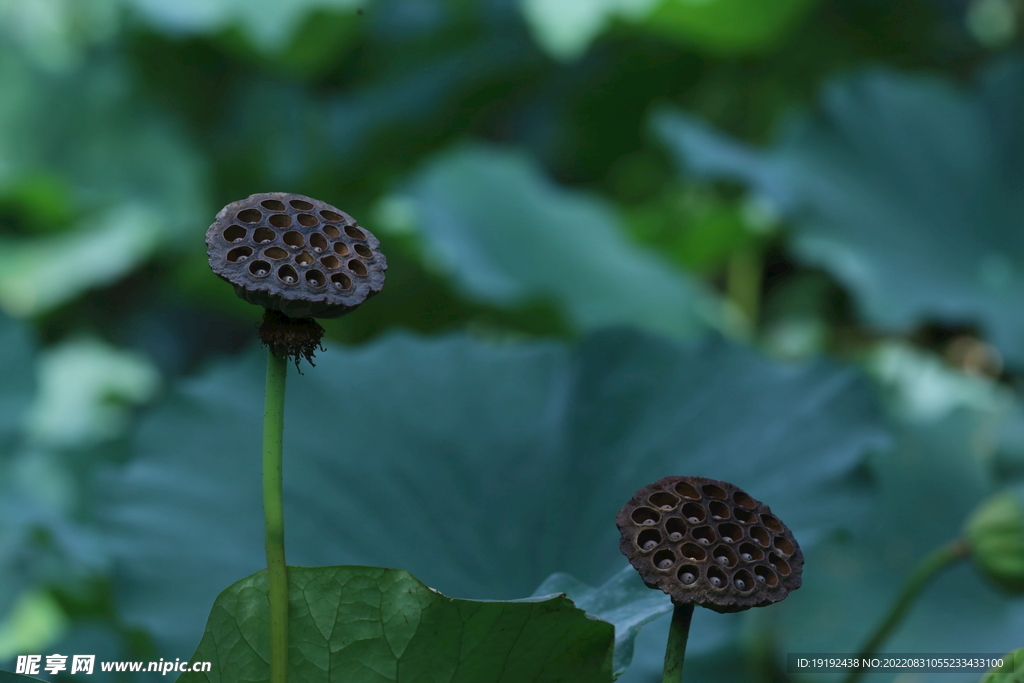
{"x":922,"y":574}
{"x":743,"y":283}
{"x":675,"y":650}
{"x":273,"y":512}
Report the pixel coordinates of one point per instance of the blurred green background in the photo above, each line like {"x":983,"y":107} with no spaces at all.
{"x":779,"y":243}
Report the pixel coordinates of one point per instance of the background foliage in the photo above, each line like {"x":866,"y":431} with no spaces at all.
{"x":776,"y":243}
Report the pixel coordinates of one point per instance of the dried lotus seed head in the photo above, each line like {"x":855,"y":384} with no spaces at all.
{"x":296,"y":255}
{"x":299,"y":258}
{"x":709,"y":543}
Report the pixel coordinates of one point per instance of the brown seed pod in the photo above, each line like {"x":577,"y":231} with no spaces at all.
{"x":708,"y":543}
{"x":294,"y":254}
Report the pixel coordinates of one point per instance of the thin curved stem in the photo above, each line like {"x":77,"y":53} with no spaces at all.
{"x":273,"y":511}
{"x":922,"y":574}
{"x":675,"y":650}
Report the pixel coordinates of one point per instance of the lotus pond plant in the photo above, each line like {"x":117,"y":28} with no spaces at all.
{"x":704,"y":542}
{"x":299,"y":259}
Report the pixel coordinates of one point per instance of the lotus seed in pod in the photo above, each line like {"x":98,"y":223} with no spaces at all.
{"x":707,"y":542}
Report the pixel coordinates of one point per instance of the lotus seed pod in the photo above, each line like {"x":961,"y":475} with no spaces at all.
{"x":995,"y":533}
{"x":296,"y":255}
{"x":708,"y":543}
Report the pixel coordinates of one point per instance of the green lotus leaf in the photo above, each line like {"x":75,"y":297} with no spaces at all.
{"x":480,"y":468}
{"x":373,"y":625}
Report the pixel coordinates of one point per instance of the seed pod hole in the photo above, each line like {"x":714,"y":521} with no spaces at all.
{"x":645,"y":516}
{"x":365,"y":252}
{"x":354,"y":232}
{"x":259,"y":268}
{"x":759,"y":534}
{"x":235,"y":233}
{"x":688,"y":575}
{"x":275,"y":253}
{"x":661,"y":499}
{"x":743,"y":580}
{"x":331,"y":216}
{"x":693,"y":552}
{"x":771,"y":523}
{"x":306,"y":220}
{"x":725,"y":556}
{"x":646,"y":537}
{"x":743,"y":500}
{"x":357,"y":267}
{"x":719,"y":510}
{"x":263,"y":235}
{"x":765,"y":575}
{"x":341,"y":249}
{"x":250,"y":216}
{"x":332,"y":231}
{"x":751,"y":553}
{"x":281,"y":220}
{"x":287,"y":275}
{"x":744,"y":516}
{"x":781,"y":566}
{"x":687,"y":491}
{"x":318,"y":242}
{"x":730,"y":533}
{"x":694,"y":513}
{"x":272,"y":205}
{"x":301,"y":205}
{"x":315,"y":278}
{"x":305,"y":259}
{"x":704,"y":534}
{"x":331,"y":262}
{"x":239,"y":254}
{"x":712,"y":491}
{"x":341,"y":281}
{"x":716,"y":577}
{"x":295,"y":240}
{"x":664,"y":559}
{"x":784,"y":545}
{"x":675,"y":526}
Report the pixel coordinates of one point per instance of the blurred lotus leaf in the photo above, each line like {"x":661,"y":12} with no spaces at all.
{"x":727,"y":26}
{"x":932,"y":479}
{"x":86,"y":389}
{"x":566,"y":28}
{"x":507,"y":234}
{"x":8,"y":677}
{"x":268,"y":23}
{"x":481,"y":469}
{"x":121,"y":179}
{"x":909,"y":190}
{"x":18,"y":370}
